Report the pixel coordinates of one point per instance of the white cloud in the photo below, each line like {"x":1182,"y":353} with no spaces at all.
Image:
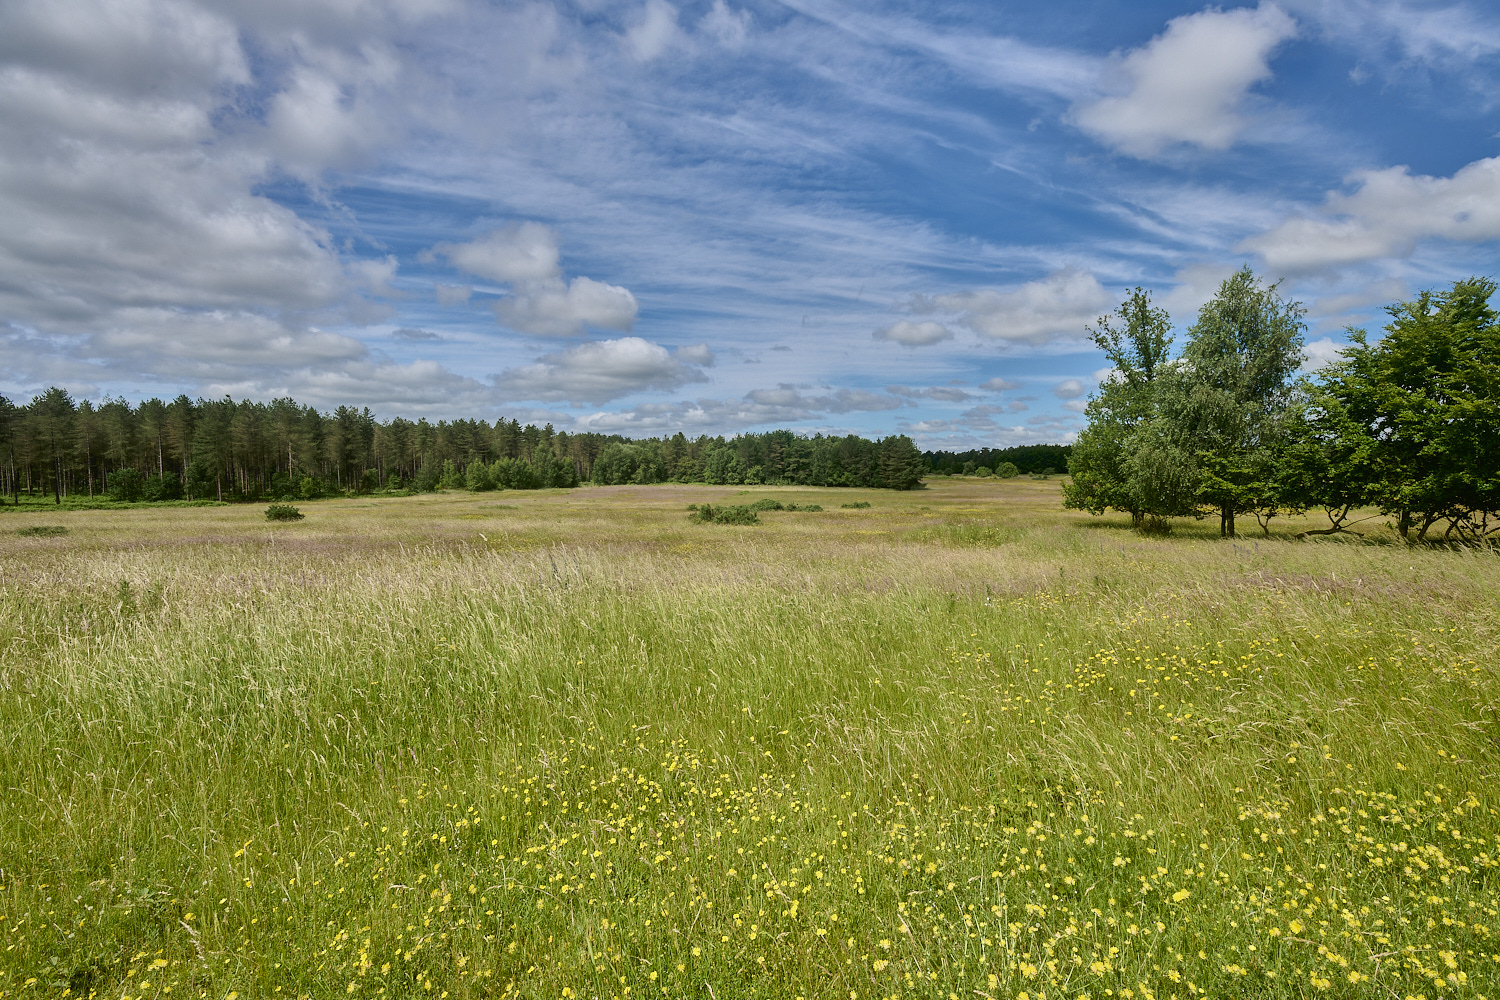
{"x":943,"y":393}
{"x":555,"y":309}
{"x":1386,"y":215}
{"x":1069,"y":388}
{"x":314,"y":123}
{"x":1451,"y":35}
{"x":1057,"y":307}
{"x":1196,"y":284}
{"x":374,"y":276}
{"x":695,"y":354}
{"x":914,"y":334}
{"x":724,"y":24}
{"x":792,"y":399}
{"x":1187,"y":84}
{"x":655,"y":33}
{"x":452,"y":295}
{"x":998,"y":384}
{"x":526,"y":251}
{"x":598,"y":371}
{"x":1318,"y":354}
{"x":1377,"y":293}
{"x":386,"y":387}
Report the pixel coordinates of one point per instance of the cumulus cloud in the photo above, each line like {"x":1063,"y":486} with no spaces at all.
{"x":1196,"y":284}
{"x":416,"y":387}
{"x":998,"y":384}
{"x":525,"y":251}
{"x":555,"y":309}
{"x":1319,"y":354}
{"x":696,"y":354}
{"x":1386,"y":215}
{"x":1187,"y":84}
{"x":136,"y":238}
{"x":597,"y":372}
{"x":1057,"y":307}
{"x":1069,"y":388}
{"x":914,"y":334}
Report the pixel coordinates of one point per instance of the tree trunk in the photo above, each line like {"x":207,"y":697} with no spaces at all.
{"x":1226,"y":522}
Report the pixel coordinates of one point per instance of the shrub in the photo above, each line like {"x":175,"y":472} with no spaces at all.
{"x":159,"y":488}
{"x":42,"y":531}
{"x":1007,"y":470}
{"x":125,"y":485}
{"x":766,"y":503}
{"x":856,"y":505}
{"x":283,"y":512}
{"x":709,"y":514}
{"x":809,"y":507}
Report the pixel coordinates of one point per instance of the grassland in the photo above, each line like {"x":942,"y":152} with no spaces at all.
{"x":571,"y":745}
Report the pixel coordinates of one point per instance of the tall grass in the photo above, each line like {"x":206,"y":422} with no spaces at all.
{"x":959,"y":743}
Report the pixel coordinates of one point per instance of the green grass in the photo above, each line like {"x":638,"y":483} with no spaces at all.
{"x":575,"y":745}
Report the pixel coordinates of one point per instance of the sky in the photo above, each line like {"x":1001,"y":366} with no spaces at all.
{"x":713,"y":216}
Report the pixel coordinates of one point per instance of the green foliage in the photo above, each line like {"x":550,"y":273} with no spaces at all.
{"x":283,"y":512}
{"x":725,"y":514}
{"x":1230,"y":402}
{"x":1125,"y":459}
{"x":42,"y":531}
{"x":856,"y":505}
{"x":126,"y":486}
{"x":477,"y":477}
{"x":451,"y":477}
{"x":162,"y":487}
{"x":1416,"y":417}
{"x":1007,"y":470}
{"x":766,"y":503}
{"x":1026,"y":458}
{"x":311,"y":488}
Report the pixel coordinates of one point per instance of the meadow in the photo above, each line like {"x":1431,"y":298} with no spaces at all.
{"x":569,"y":744}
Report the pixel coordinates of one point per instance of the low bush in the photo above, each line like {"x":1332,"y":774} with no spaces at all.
{"x":283,"y":512}
{"x":766,"y":503}
{"x":740,"y":514}
{"x":42,"y":531}
{"x":856,"y":505}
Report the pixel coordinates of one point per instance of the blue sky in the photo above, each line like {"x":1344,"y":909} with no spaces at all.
{"x":644,"y":217}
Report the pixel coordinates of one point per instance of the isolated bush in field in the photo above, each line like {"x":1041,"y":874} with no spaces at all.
{"x":766,"y":503}
{"x":739,"y":514}
{"x":856,"y":505}
{"x":1007,"y":470}
{"x":42,"y":531}
{"x":983,"y":472}
{"x":283,"y":512}
{"x":811,"y":508}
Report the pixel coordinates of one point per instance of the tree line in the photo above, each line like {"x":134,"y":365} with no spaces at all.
{"x":1027,"y":459}
{"x":1407,"y":426}
{"x":220,"y":449}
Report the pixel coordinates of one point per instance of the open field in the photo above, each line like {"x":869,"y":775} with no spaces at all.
{"x":569,"y":744}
